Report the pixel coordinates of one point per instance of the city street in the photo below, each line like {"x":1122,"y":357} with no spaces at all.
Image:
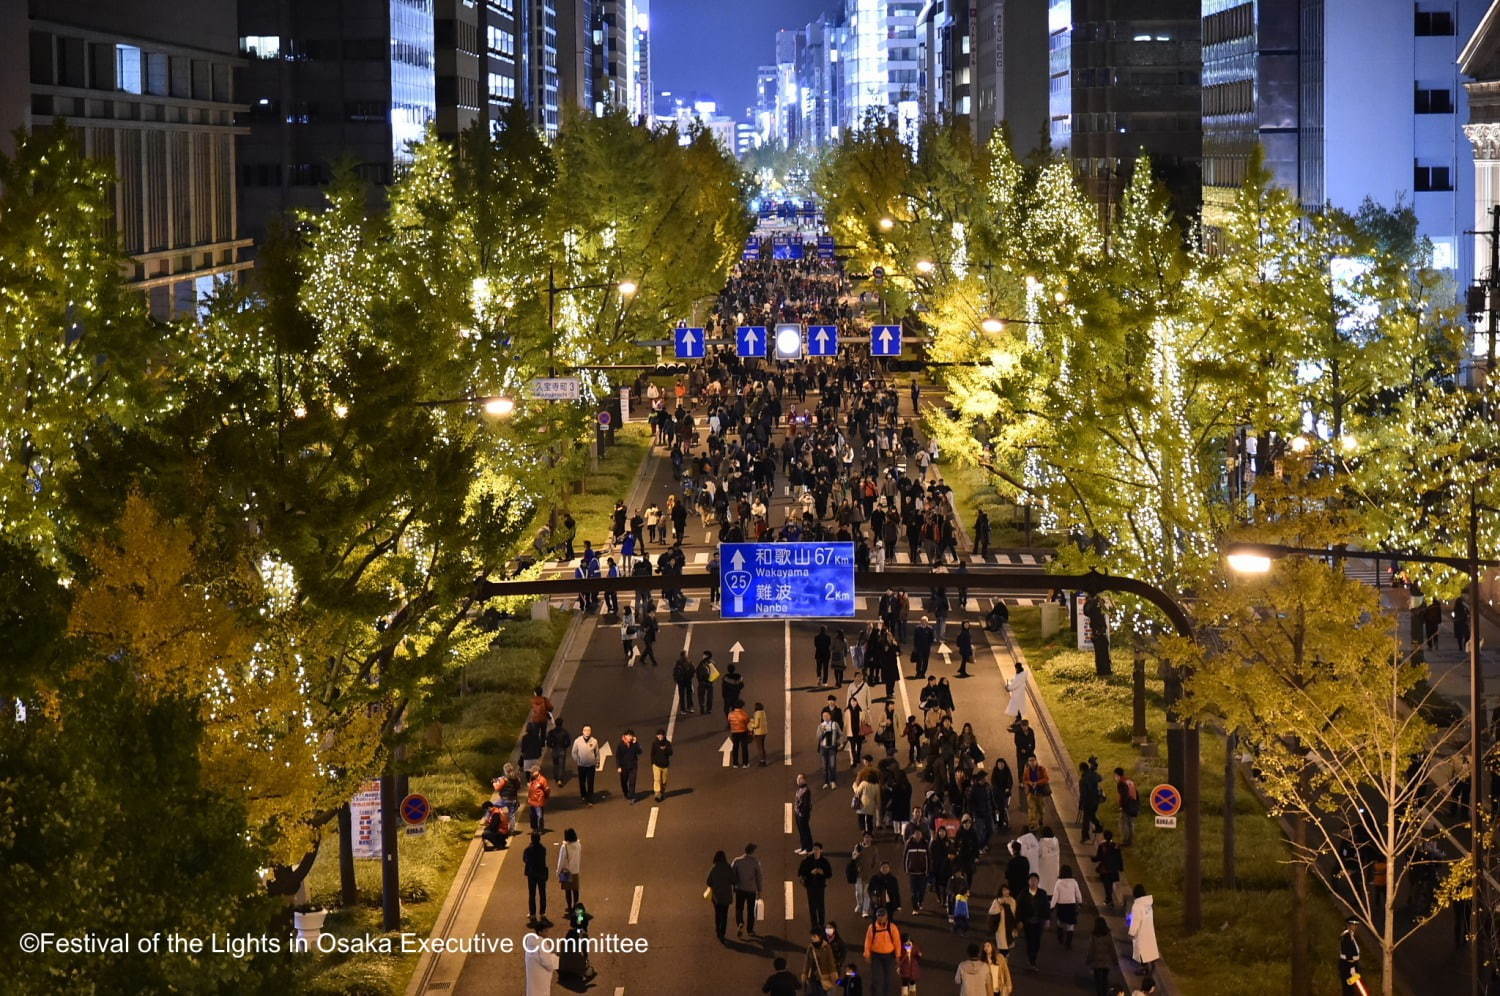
{"x":645,"y":863}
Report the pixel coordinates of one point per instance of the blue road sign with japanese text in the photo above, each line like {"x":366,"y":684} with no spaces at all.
{"x":786,"y":580}
{"x":885,"y":340}
{"x":822,"y":340}
{"x":688,"y":342}
{"x":750,"y":340}
{"x":752,"y":249}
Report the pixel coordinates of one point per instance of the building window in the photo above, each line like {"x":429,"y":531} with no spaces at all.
{"x":1434,"y":101}
{"x":261,"y":46}
{"x":128,"y":76}
{"x":1430,"y":178}
{"x":1431,"y":23}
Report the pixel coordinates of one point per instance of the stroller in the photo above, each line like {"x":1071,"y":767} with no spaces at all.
{"x":573,"y":962}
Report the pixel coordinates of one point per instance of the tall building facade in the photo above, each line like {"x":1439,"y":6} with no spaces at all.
{"x":1349,"y":99}
{"x":1480,"y":63}
{"x":505,"y":76}
{"x":1124,"y":79}
{"x":542,"y":86}
{"x":985,"y":62}
{"x":881,"y":62}
{"x":640,"y":70}
{"x":458,"y":37}
{"x":352,"y":83}
{"x":150,"y":91}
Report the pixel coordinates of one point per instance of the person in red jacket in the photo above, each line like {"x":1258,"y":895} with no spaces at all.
{"x":909,"y":965}
{"x":538,"y":791}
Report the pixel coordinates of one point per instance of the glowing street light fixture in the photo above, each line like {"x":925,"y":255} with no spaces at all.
{"x":499,"y":407}
{"x":886,"y":224}
{"x":1249,"y":563}
{"x":1299,"y":444}
{"x":628,"y":287}
{"x":925,"y":266}
{"x":993,"y":326}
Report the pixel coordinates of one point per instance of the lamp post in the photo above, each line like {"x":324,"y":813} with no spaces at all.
{"x":627,"y":289}
{"x":1256,"y":558}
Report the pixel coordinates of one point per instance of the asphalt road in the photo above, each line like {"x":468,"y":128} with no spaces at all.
{"x":644,"y":864}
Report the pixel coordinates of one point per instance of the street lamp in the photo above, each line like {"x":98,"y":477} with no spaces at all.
{"x":491,"y":404}
{"x":925,"y":266}
{"x":1254,"y":555}
{"x":994,"y":326}
{"x":886,"y":224}
{"x":499,"y":407}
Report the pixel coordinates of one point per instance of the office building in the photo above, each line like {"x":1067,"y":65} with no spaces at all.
{"x":788,"y":121}
{"x":458,"y":53}
{"x":1479,"y":61}
{"x":542,"y":87}
{"x":614,"y":44}
{"x":640,"y":92}
{"x":985,"y":62}
{"x":504,"y":23}
{"x":1349,"y":99}
{"x":1123,"y":79}
{"x":766,"y":78}
{"x":881,"y":63}
{"x":150,"y":90}
{"x":578,"y":53}
{"x":819,"y":83}
{"x":353,"y":83}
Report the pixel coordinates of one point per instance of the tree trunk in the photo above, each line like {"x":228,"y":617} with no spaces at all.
{"x":1231,"y":743}
{"x":348,"y":889}
{"x":1301,"y":960}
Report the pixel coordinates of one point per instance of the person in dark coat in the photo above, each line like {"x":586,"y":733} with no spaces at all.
{"x":534,"y":863}
{"x":965,"y":649}
{"x":921,"y":646}
{"x":720,"y":892}
{"x":1089,"y":798}
{"x":1017,"y":869}
{"x":822,"y":654}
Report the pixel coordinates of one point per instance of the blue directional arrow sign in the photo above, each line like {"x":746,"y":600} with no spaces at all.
{"x":822,"y":340}
{"x":689,"y":343}
{"x":750,"y":340}
{"x":787,"y":580}
{"x":885,"y":340}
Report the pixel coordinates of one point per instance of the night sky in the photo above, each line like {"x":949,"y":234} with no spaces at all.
{"x":714,"y":46}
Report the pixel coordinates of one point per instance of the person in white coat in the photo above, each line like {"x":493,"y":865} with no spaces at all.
{"x":1143,"y":930}
{"x":1066,"y":898}
{"x":586,"y":757}
{"x":1016,"y":686}
{"x":1049,"y":856}
{"x":1031,"y":849}
{"x":859,"y":692}
{"x":540,"y":965}
{"x":569,"y":865}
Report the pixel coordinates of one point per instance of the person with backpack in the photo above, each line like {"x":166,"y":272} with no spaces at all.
{"x":494,"y":827}
{"x":882,"y":942}
{"x":1130,"y":806}
{"x":706,"y":673}
{"x":958,"y":901}
{"x":1089,"y":798}
{"x":732,"y":691}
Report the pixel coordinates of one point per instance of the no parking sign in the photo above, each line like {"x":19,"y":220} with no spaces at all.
{"x":1166,"y":800}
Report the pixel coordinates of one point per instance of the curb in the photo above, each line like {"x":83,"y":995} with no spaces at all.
{"x":1068,"y":817}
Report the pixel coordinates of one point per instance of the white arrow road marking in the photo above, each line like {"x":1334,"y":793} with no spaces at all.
{"x":651,"y":823}
{"x":786,"y":746}
{"x":788,"y":828}
{"x":687,"y":644}
{"x":635,"y":905}
{"x":735,"y":652}
{"x":689,"y":340}
{"x":737,"y":561}
{"x":790,"y":897}
{"x":822,"y":338}
{"x":947,"y":654}
{"x":885,"y":340}
{"x":604,"y":753}
{"x":725,"y":748}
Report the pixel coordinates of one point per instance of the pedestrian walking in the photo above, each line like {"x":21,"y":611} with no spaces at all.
{"x":830,"y":741}
{"x":1102,"y":958}
{"x":719,"y":890}
{"x":1005,"y":920}
{"x":560,"y":741}
{"x":534,"y":865}
{"x":882,"y":941}
{"x":540,"y":963}
{"x":733,"y":690}
{"x":1016,"y":687}
{"x":1038,"y":786}
{"x":863,"y":863}
{"x":538,"y":791}
{"x":1035,"y":909}
{"x":1066,"y":898}
{"x":820,"y":969}
{"x":1110,"y":862}
{"x":1048,"y":856}
{"x":1349,"y":959}
{"x":749,"y":883}
{"x":586,"y":756}
{"x":739,"y":736}
{"x":822,"y":654}
{"x":1143,"y":930}
{"x":965,"y":649}
{"x":569,"y":864}
{"x":816,"y":872}
{"x":682,"y":674}
{"x":909,"y":965}
{"x":802,"y":807}
{"x":1130,"y":806}
{"x":661,"y":763}
{"x":706,"y":674}
{"x":915,"y":860}
{"x":760,"y":727}
{"x":973,"y":975}
{"x":540,"y":714}
{"x":1090,"y":797}
{"x":627,"y":760}
{"x":1025,"y":740}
